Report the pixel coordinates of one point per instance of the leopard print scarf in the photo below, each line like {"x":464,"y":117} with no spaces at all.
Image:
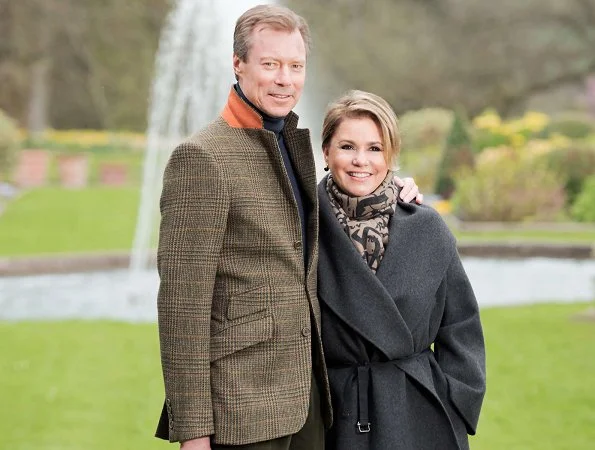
{"x":365,"y":219}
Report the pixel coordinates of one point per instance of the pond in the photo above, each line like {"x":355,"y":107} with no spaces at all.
{"x":117,"y":295}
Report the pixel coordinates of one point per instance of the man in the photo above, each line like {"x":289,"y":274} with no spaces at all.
{"x":239,"y":320}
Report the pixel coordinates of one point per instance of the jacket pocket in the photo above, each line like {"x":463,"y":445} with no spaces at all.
{"x":238,"y":337}
{"x":248,"y":302}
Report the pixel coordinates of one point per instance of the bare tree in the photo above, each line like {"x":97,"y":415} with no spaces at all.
{"x":91,"y":60}
{"x":452,"y":52}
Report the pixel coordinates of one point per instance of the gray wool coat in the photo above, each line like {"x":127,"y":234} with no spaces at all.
{"x":404,"y":347}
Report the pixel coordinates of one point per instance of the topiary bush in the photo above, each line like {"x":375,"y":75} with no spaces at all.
{"x":457,"y":153}
{"x":422,"y":164}
{"x":583,"y":208}
{"x":425,"y":127}
{"x":483,"y":139}
{"x":507,"y":186}
{"x":9,"y":138}
{"x":573,"y":164}
{"x":575,"y":125}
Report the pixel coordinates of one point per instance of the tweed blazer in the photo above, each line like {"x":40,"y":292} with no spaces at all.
{"x":404,"y":347}
{"x":237,"y":311}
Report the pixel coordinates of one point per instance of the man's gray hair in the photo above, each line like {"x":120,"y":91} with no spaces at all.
{"x":274,"y":16}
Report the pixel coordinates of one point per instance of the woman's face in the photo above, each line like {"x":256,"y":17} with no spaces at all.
{"x":355,"y":156}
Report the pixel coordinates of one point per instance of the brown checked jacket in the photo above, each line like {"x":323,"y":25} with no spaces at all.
{"x":239,"y":320}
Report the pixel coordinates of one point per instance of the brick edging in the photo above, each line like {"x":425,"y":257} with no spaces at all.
{"x":526,"y":250}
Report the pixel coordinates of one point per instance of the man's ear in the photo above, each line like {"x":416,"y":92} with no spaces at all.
{"x":237,"y":65}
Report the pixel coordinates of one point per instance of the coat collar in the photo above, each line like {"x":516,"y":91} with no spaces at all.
{"x":348,"y":287}
{"x":387,"y":307}
{"x":239,"y":114}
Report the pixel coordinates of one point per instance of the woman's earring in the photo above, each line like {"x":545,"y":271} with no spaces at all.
{"x":326,"y":169}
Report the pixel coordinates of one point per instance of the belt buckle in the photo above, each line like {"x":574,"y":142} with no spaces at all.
{"x":365,"y":428}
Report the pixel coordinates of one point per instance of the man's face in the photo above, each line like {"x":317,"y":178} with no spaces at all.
{"x":273,"y":75}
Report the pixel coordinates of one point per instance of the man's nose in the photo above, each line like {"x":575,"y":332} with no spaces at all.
{"x":283,"y":76}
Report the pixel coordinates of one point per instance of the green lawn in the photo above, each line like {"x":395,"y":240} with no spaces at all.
{"x":574,"y":236}
{"x":79,"y":385}
{"x":541,"y":371}
{"x":55,"y":220}
{"x":97,"y":385}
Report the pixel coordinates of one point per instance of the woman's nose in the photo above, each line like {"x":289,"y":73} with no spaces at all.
{"x":359,"y":159}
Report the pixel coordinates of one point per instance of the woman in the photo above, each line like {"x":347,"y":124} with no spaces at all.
{"x":400,"y":324}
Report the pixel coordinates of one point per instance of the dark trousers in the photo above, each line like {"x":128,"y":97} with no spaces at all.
{"x":310,"y":437}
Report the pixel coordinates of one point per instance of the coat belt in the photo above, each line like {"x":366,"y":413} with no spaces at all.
{"x":362,"y":372}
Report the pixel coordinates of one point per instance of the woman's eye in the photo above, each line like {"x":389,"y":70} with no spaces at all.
{"x":346,"y":147}
{"x":375,"y":149}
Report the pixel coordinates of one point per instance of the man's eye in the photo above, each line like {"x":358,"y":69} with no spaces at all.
{"x":269,"y":64}
{"x":298,"y":66}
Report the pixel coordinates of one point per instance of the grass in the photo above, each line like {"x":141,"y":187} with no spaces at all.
{"x":76,"y":385}
{"x":540,"y":380}
{"x":558,"y":236}
{"x":56,"y":220}
{"x":97,"y":385}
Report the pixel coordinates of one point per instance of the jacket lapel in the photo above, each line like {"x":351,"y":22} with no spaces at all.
{"x":238,"y":114}
{"x":349,"y":288}
{"x":299,"y":147}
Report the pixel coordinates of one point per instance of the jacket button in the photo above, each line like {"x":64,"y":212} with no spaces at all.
{"x":297,"y":245}
{"x":306,"y":331}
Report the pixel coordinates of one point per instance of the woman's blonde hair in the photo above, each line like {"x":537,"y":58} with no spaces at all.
{"x":277,"y":17}
{"x":356,"y":104}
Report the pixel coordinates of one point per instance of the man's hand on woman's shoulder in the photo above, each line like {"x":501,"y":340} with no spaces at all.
{"x":409,"y":190}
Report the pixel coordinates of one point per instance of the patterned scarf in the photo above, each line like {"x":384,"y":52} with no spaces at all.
{"x":365,"y":219}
